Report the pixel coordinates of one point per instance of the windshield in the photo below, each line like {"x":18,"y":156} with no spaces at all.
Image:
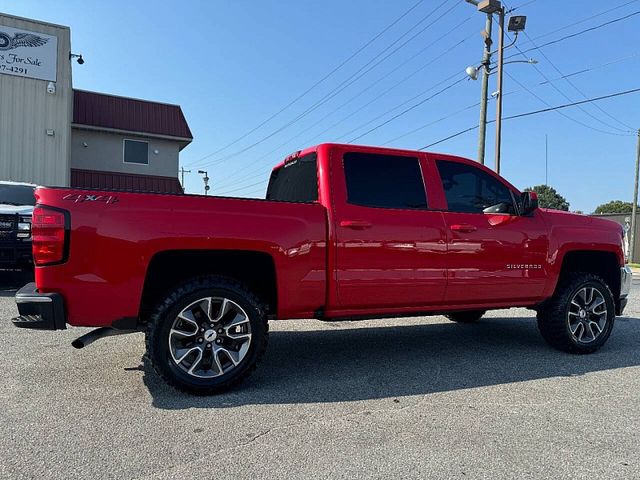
{"x":17,"y":195}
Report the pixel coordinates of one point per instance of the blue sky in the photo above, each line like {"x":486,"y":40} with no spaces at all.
{"x":232,"y":64}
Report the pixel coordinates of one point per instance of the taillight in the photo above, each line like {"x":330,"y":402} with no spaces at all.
{"x":49,"y":231}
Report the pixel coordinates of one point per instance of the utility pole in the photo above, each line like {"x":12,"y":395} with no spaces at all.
{"x":501,"y":14}
{"x":516,"y":24}
{"x":486,"y":63}
{"x":182,"y":172}
{"x":634,"y":208}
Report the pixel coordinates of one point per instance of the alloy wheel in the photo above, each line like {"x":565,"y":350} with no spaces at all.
{"x":210,"y":337}
{"x":587,"y":315}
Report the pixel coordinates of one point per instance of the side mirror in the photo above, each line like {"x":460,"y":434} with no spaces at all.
{"x":528,"y":202}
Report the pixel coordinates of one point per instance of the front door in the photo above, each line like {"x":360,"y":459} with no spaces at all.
{"x":494,"y":255}
{"x":390,"y":248}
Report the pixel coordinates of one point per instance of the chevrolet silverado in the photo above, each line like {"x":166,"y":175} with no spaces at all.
{"x":345,"y":232}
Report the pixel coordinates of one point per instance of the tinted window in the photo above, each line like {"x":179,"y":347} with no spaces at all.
{"x":386,"y":181}
{"x":16,"y":194}
{"x":470,"y":190}
{"x":296,"y":181}
{"x":136,"y":152}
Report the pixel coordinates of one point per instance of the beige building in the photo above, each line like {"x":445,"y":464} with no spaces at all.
{"x":35,"y":106}
{"x":51,"y":134}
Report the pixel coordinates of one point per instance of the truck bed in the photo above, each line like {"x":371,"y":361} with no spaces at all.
{"x":115,"y":235}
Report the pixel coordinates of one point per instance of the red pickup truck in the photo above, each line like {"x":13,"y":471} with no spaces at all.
{"x":345,"y":232}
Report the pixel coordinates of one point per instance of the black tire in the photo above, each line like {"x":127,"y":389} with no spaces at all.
{"x":470,"y":316}
{"x":162,"y":320}
{"x":553,"y":318}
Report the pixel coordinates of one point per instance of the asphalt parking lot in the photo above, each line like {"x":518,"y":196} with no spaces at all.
{"x":400,"y":398}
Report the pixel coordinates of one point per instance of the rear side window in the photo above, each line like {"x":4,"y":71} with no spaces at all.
{"x":470,"y":190}
{"x":296,"y":181}
{"x":384,"y":181}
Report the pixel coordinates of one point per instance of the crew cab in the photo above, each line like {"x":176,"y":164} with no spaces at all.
{"x":16,"y":206}
{"x":345,"y":232}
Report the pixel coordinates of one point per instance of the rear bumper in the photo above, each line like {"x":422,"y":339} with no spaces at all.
{"x":625,"y":288}
{"x":43,"y":311}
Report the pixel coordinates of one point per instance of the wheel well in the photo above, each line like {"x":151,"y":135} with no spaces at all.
{"x":254,"y":269}
{"x":603,"y":264}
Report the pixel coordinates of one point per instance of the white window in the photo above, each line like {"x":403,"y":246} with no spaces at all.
{"x":136,"y":151}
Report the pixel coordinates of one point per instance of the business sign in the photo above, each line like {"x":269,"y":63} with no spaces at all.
{"x":28,"y":54}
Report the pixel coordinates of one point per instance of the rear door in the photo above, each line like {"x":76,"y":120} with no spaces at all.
{"x":390,"y":247}
{"x":494,"y":254}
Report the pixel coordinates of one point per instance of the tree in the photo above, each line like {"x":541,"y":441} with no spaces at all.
{"x":549,"y":198}
{"x":615,"y":206}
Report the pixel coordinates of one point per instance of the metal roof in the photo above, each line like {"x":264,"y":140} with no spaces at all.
{"x":99,"y":110}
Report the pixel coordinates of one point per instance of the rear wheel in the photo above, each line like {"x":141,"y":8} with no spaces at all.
{"x":580,"y":316}
{"x":207,"y":335}
{"x":470,"y":316}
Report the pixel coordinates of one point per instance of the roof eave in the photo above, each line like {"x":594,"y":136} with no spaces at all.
{"x":184,"y":141}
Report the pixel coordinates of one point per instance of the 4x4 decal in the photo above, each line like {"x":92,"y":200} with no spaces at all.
{"x":84,"y":197}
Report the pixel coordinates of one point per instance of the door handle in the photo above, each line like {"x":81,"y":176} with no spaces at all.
{"x":463,"y":228}
{"x":355,"y":224}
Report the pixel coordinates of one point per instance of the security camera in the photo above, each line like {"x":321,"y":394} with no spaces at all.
{"x":78,"y":58}
{"x":51,"y":88}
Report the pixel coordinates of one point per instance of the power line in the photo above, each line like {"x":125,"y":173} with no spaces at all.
{"x":255,"y":174}
{"x":511,"y":117}
{"x":567,"y":105}
{"x":566,"y":37}
{"x":579,"y":122}
{"x":392,"y":87}
{"x":422,"y":127}
{"x":407,"y":110}
{"x":377,"y":97}
{"x":592,"y":68}
{"x":393,"y":109}
{"x":538,"y":47}
{"x":577,"y":89}
{"x":346,"y":83}
{"x":579,"y":72}
{"x":522,"y":5}
{"x":535,"y":112}
{"x":252,"y":175}
{"x":331,"y":94}
{"x":312,"y":87}
{"x":561,"y":92}
{"x":578,"y":22}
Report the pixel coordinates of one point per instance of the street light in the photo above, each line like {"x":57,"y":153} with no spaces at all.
{"x":472,"y":72}
{"x":206,"y":180}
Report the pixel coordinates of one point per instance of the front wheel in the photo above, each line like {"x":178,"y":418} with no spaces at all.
{"x":579,"y":317}
{"x":207,"y":335}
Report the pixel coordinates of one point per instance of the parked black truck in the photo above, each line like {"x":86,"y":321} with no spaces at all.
{"x":16,"y":208}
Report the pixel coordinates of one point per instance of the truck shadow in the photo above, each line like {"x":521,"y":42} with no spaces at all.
{"x":350,"y":364}
{"x":12,"y":280}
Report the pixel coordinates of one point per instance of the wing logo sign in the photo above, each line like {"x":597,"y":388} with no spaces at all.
{"x":9,"y":42}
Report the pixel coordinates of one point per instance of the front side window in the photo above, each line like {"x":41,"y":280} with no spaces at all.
{"x":384,"y":181}
{"x":470,"y":190}
{"x":135,"y":151}
{"x":295,"y":181}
